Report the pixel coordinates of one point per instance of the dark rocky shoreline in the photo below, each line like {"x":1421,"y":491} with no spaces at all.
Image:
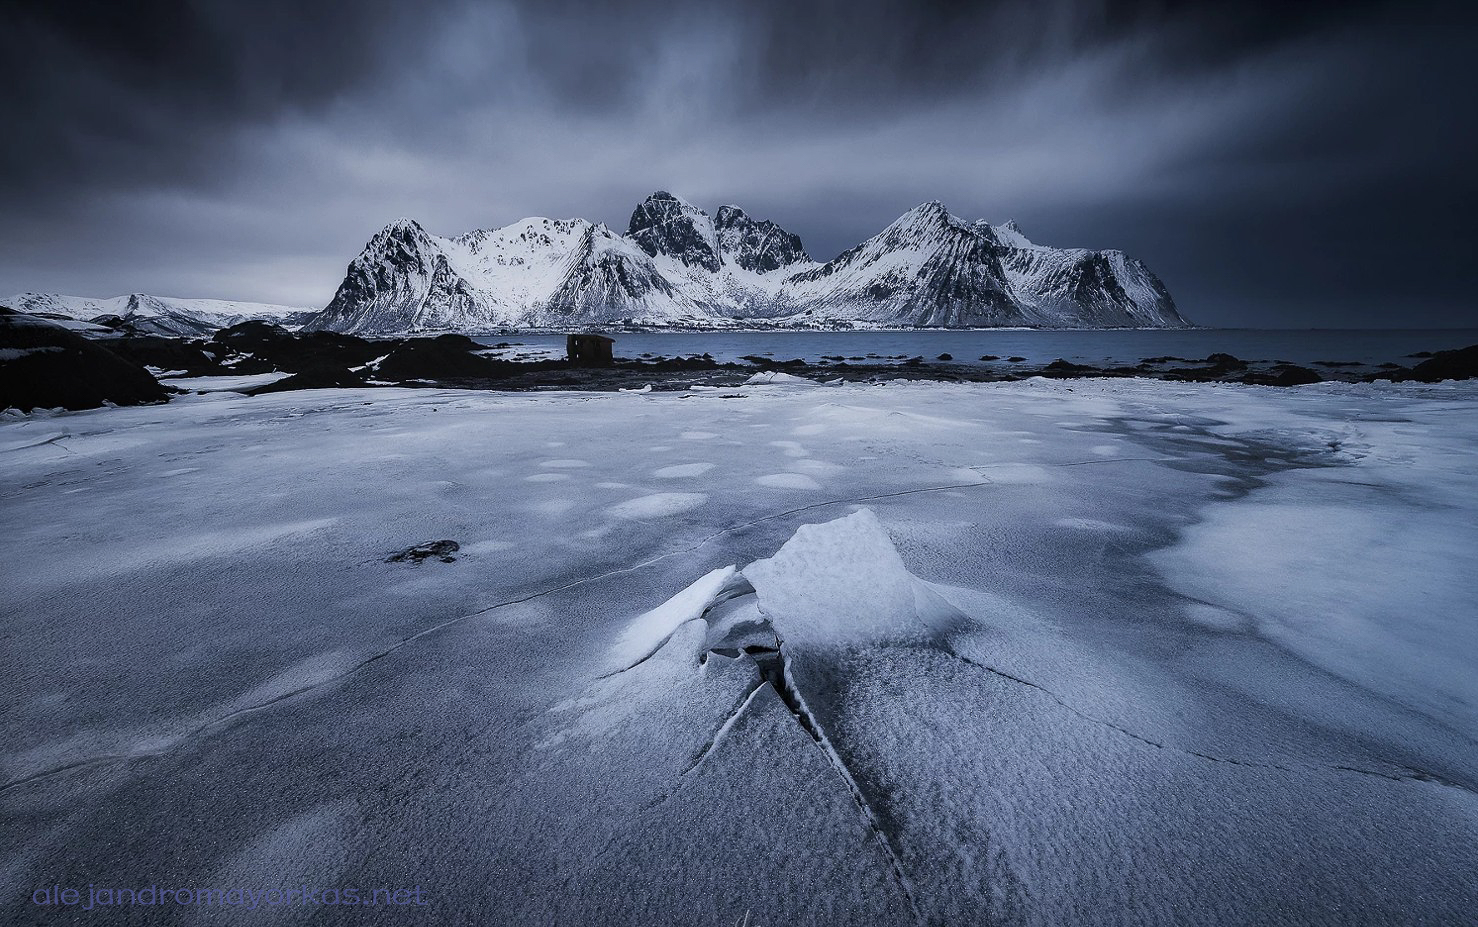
{"x":108,"y":370}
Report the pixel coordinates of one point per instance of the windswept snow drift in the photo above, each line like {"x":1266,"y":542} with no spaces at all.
{"x":839,"y":583}
{"x":832,"y":585}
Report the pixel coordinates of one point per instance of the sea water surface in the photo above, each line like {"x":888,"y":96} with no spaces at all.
{"x":1365,"y":346}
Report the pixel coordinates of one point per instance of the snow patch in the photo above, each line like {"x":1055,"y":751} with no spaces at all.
{"x":650,"y":629}
{"x":658,"y":505}
{"x":779,"y":378}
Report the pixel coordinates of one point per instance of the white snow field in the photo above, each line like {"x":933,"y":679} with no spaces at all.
{"x":1041,"y":653}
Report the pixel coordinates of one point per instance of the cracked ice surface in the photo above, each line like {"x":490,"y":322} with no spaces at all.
{"x":1095,"y":652}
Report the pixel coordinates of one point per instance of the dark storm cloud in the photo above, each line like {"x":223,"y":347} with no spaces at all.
{"x":105,"y":89}
{"x":1277,"y":163}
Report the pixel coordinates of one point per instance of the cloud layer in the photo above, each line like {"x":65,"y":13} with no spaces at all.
{"x":1307,"y":168}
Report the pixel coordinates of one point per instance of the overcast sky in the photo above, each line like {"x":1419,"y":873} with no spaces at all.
{"x":1278,"y":164}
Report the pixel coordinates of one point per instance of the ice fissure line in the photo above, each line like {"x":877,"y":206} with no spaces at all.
{"x":1416,"y":775}
{"x":723,"y":729}
{"x":791,"y":696}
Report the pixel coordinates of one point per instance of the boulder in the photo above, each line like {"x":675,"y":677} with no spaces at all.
{"x":1461,"y":364}
{"x":1226,"y":361}
{"x":1061,"y":367}
{"x":440,"y":550}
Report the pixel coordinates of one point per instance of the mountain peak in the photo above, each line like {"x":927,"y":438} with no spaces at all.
{"x":931,"y":213}
{"x":925,"y":221}
{"x":1011,"y":234}
{"x":670,"y":225}
{"x":401,"y":235}
{"x":759,"y":246}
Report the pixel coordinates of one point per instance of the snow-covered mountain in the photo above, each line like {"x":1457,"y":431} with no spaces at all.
{"x":155,"y":315}
{"x":675,"y":266}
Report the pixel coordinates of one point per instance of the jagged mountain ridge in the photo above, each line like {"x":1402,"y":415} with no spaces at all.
{"x":155,"y":315}
{"x":675,"y":266}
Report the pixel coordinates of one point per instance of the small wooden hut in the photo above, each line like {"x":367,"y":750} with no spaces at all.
{"x":589,"y":350}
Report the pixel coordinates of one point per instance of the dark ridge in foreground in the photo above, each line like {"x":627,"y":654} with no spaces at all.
{"x":45,"y":366}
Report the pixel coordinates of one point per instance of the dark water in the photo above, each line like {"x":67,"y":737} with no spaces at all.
{"x":1038,"y":347}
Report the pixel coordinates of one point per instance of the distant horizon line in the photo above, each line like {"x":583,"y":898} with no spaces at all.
{"x":676,"y":330}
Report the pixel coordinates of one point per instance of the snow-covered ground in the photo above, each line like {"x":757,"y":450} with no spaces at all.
{"x":1045,"y":652}
{"x":227,"y":383}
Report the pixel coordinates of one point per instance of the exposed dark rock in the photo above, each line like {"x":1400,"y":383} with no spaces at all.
{"x":1461,"y":364}
{"x":169,"y":354}
{"x":44,"y":366}
{"x":1284,"y":375}
{"x":118,"y":323}
{"x":249,"y":336}
{"x":310,"y":352}
{"x":689,"y":363}
{"x":329,"y":360}
{"x":439,"y":358}
{"x":1227,"y":361}
{"x":441,"y":550}
{"x":757,"y":245}
{"x":314,"y":379}
{"x":664,"y":224}
{"x":769,"y":363}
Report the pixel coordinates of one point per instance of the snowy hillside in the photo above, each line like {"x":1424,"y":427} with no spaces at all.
{"x":160,"y":315}
{"x":676,"y":266}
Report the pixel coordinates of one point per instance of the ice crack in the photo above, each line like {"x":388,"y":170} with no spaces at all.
{"x":1414,"y":775}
